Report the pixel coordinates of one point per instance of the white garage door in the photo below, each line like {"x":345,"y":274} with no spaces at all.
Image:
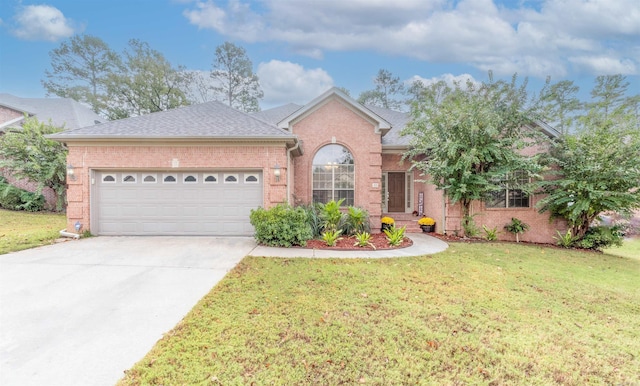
{"x":177,"y":203}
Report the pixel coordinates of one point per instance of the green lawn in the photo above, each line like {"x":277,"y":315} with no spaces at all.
{"x":474,"y":314}
{"x":630,"y":248}
{"x":22,"y":230}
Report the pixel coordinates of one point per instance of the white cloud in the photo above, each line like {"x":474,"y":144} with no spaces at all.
{"x":552,"y":39}
{"x":286,"y":82}
{"x":42,"y":22}
{"x":605,"y":65}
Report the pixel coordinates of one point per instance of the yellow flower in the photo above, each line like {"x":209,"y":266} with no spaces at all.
{"x":426,"y":221}
{"x":387,"y":220}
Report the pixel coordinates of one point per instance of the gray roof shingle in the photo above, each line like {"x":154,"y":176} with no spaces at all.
{"x":398,"y":121}
{"x":206,"y":120}
{"x":277,"y":114}
{"x":63,"y":112}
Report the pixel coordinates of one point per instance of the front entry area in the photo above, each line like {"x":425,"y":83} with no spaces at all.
{"x":397,"y":192}
{"x":209,"y":203}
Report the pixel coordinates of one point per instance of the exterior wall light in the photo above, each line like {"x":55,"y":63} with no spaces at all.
{"x":276,"y":172}
{"x":70,"y":173}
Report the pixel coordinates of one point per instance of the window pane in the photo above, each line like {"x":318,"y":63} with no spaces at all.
{"x":497,"y":199}
{"x":518,"y":199}
{"x":333,"y":175}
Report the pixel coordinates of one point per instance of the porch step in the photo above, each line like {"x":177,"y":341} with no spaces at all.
{"x":405,"y":219}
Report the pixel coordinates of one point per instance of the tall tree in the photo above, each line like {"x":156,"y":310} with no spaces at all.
{"x":28,"y":154}
{"x":145,"y":83}
{"x":599,"y":164}
{"x":561,"y":105}
{"x":608,"y":98}
{"x":79,"y":70}
{"x":199,"y":86}
{"x":467,"y":138}
{"x":235,"y":82}
{"x":387,"y":87}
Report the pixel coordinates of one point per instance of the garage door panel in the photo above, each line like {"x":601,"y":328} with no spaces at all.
{"x":193,"y":208}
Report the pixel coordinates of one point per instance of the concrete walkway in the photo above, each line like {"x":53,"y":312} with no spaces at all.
{"x":422,"y":245}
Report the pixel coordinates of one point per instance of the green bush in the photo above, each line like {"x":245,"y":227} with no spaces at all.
{"x":281,"y":226}
{"x":31,"y":202}
{"x":601,"y":237}
{"x":395,"y":236}
{"x":357,"y":221}
{"x":13,"y":198}
{"x":331,"y":215}
{"x":313,"y":219}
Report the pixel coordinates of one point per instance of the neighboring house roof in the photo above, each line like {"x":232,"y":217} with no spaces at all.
{"x":63,"y":112}
{"x":213,"y":120}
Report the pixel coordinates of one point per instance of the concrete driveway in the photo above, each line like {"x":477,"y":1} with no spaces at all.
{"x":82,"y":312}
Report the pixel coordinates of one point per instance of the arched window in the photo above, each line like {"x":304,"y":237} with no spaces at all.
{"x":333,"y":175}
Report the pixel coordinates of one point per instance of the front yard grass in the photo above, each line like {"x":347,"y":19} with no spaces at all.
{"x":23,"y":230}
{"x":630,"y":248}
{"x":490,"y":313}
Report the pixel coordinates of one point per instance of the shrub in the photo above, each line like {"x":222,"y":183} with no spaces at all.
{"x":313,"y":219}
{"x":357,"y":221}
{"x":13,"y":198}
{"x":490,"y":234}
{"x":395,"y":236}
{"x":332,"y":217}
{"x":331,"y":237}
{"x":281,"y":226}
{"x":601,"y":237}
{"x":566,"y":240}
{"x":470,"y":227}
{"x":516,"y":227}
{"x":363,"y":239}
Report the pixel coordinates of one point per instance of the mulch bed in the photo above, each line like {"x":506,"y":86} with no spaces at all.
{"x":379,"y":240}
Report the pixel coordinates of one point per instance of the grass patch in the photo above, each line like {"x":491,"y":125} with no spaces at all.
{"x":630,"y":248}
{"x":492,"y":313}
{"x":23,"y":230}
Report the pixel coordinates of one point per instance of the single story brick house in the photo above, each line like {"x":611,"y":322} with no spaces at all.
{"x":200,"y":169}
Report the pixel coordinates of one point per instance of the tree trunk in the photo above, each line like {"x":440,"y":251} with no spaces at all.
{"x":466,"y":218}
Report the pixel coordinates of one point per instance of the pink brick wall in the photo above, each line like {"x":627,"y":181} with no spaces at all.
{"x":86,"y":158}
{"x":334,"y":119}
{"x":48,"y":193}
{"x":7,"y":114}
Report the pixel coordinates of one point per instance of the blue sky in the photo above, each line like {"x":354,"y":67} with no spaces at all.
{"x":300,"y":48}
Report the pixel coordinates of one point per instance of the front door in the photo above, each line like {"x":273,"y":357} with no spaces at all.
{"x":396,"y":191}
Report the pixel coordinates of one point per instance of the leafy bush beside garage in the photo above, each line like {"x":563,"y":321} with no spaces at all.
{"x":281,"y":226}
{"x":13,"y":198}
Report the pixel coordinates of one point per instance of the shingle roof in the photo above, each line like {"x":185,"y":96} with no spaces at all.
{"x":205,"y":120}
{"x":61,"y":111}
{"x":398,"y":121}
{"x":277,"y":114}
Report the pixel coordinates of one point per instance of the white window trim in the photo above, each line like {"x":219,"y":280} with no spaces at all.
{"x":204,"y":178}
{"x":115,"y":179}
{"x":185,"y":175}
{"x":246,"y":176}
{"x":155,"y":179}
{"x":134,"y":175}
{"x":235,"y":175}
{"x":175,"y":176}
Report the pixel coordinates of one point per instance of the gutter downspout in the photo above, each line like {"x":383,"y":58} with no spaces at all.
{"x":444,"y":213}
{"x":289,"y":170}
